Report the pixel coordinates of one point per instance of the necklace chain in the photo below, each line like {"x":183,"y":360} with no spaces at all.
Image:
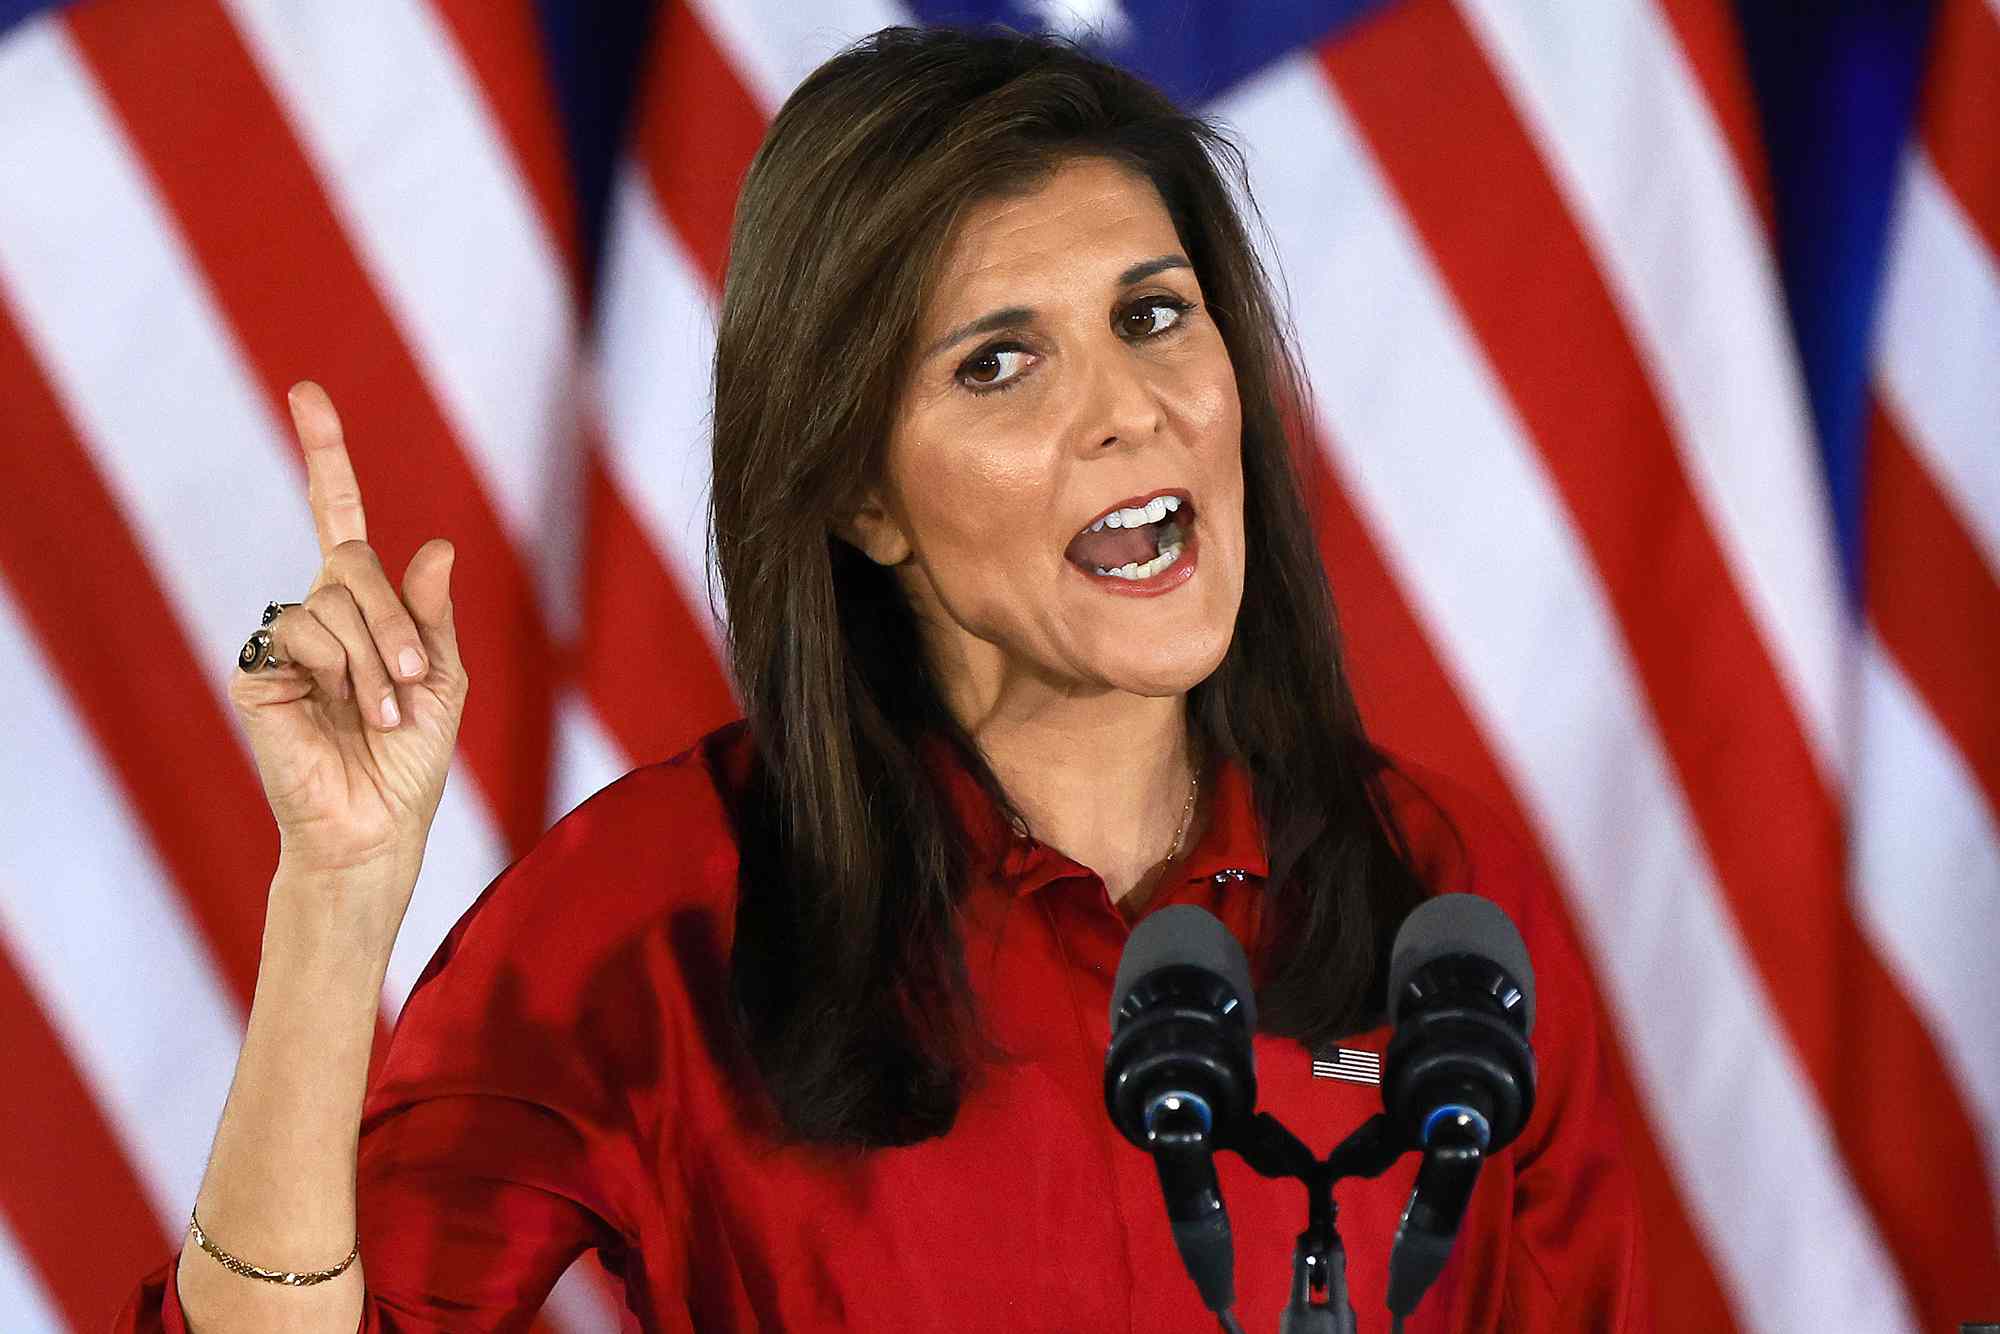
{"x":1187,"y":813}
{"x":1020,"y":826}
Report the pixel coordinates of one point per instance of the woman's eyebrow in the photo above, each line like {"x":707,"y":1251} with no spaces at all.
{"x":1006,"y":315}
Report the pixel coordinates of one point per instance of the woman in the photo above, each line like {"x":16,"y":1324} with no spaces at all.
{"x":804,"y":1028}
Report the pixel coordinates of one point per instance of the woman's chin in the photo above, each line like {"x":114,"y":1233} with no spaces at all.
{"x":1159,"y":674}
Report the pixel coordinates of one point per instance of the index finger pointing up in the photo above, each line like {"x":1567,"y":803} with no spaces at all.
{"x":331,"y":491}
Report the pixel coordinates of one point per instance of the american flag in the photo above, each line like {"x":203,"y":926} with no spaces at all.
{"x":1573,"y":496}
{"x":1349,"y":1064}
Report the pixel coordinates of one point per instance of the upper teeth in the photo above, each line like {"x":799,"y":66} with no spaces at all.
{"x":1154,"y":510}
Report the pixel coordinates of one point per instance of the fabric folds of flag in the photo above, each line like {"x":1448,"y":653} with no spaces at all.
{"x":1564,"y":471}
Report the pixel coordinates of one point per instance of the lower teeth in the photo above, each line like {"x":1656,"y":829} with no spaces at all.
{"x":1134,"y":570}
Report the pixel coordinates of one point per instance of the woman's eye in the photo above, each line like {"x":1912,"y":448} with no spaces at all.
{"x":994,"y":368}
{"x":1144,"y":320}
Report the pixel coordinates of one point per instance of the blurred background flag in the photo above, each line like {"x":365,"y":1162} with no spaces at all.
{"x":1656,"y":451}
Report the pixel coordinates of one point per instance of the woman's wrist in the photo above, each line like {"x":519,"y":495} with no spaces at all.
{"x":335,"y":926}
{"x":278,"y":1196}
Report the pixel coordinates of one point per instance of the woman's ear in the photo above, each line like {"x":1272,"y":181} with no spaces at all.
{"x":874,"y":531}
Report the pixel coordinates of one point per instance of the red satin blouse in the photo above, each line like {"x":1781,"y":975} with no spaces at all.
{"x":562,"y":1079}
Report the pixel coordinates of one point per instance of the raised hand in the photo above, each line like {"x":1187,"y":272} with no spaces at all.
{"x":353,"y":734}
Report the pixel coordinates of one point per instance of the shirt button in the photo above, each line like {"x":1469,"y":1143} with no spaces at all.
{"x":1232,"y":873}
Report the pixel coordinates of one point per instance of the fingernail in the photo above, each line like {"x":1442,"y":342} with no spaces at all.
{"x":390,"y":717}
{"x":411,"y":662}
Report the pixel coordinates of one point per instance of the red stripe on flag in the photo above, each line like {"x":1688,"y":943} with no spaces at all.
{"x":1961,"y":110}
{"x":71,"y":1199}
{"x":696,"y":133}
{"x":502,"y":46}
{"x":1468,"y":174}
{"x":217,"y":840}
{"x":1413,"y":710}
{"x":104,"y":627}
{"x":1932,"y":599}
{"x":1708,"y":33}
{"x":661,"y":689}
{"x":698,"y":129}
{"x":222,"y":156}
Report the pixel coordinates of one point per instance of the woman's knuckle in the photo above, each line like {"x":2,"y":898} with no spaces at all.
{"x":327,"y":598}
{"x":349,"y":563}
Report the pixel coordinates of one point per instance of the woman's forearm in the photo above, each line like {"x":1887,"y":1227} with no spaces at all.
{"x":279,"y":1190}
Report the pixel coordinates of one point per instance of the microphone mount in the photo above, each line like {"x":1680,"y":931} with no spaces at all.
{"x":1319,"y":1303}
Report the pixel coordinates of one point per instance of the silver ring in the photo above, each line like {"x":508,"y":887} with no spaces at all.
{"x":257,"y":652}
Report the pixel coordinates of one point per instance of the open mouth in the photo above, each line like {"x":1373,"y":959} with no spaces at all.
{"x":1135,"y":542}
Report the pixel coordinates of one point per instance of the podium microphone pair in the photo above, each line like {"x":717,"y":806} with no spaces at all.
{"x":1457,"y":1084}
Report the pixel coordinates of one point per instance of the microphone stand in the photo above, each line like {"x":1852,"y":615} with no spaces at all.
{"x":1319,"y":1303}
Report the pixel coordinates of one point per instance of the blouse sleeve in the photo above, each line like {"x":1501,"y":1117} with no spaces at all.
{"x":501,"y":1137}
{"x":470,"y":1209}
{"x":1563,"y":1233}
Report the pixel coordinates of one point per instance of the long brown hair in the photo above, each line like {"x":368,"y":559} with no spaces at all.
{"x":847,"y":972}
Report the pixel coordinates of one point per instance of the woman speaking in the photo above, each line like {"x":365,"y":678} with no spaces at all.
{"x":804,"y":1029}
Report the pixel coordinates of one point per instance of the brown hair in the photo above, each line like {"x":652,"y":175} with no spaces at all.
{"x":847,"y":972}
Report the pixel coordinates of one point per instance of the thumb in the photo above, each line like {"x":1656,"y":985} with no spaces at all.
{"x":427,"y":593}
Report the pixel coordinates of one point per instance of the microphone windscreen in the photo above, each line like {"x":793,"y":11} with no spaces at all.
{"x":1460,"y":924}
{"x":1183,"y":934}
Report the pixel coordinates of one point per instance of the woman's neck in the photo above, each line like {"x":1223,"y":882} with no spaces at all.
{"x":1105,"y":779}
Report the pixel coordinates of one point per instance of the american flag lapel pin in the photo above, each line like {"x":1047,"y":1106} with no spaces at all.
{"x":1347,"y":1063}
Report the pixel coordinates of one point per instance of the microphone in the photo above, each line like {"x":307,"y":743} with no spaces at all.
{"x":1459,"y":1076}
{"x":1179,"y":1078}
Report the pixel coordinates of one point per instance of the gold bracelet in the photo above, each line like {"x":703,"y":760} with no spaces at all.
{"x":290,"y":1278}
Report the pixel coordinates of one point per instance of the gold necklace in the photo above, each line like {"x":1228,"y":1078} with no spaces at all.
{"x":1187,"y":813}
{"x":1020,"y":826}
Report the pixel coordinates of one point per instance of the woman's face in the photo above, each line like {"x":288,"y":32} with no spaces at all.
{"x":1068,"y":370}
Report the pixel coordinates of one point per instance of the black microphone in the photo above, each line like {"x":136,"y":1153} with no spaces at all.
{"x":1458,"y":1079}
{"x":1179,"y":1078}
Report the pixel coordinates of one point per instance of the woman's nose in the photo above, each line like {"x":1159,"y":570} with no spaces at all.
{"x":1121,"y":406}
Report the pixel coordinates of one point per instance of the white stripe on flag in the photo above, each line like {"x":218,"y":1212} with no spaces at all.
{"x":103,"y":940}
{"x":462,"y":855}
{"x":1938,"y":348}
{"x":432,"y":201}
{"x":179,"y":429}
{"x":580,"y":1304}
{"x":1359,"y":1067}
{"x":1926,"y":874}
{"x":656,"y":350}
{"x":197,"y":460}
{"x":773,"y":44}
{"x":28,"y":1308}
{"x":586,"y":758}
{"x":1925,"y":845}
{"x":1673,"y":231}
{"x":181,"y":433}
{"x":1439,"y":466}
